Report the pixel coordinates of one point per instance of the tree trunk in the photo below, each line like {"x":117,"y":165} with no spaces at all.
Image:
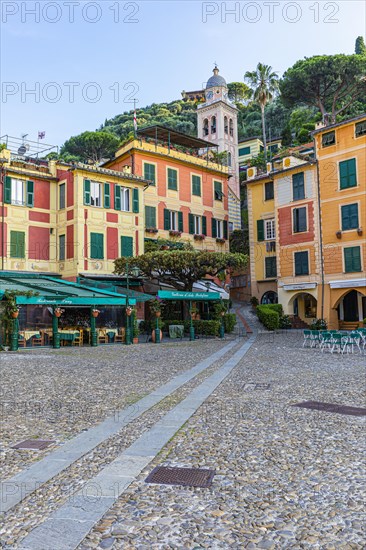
{"x":264,"y":135}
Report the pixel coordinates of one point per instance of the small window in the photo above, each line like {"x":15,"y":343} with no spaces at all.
{"x":95,"y":194}
{"x":226,"y":127}
{"x":298,"y":186}
{"x":61,"y":247}
{"x":229,"y":159}
{"x":218,"y":190}
{"x":172,"y":179}
{"x":299,"y":220}
{"x":17,"y":192}
{"x":205,"y":127}
{"x":196,"y":185}
{"x":149,"y":173}
{"x":231,"y":127}
{"x":62,"y":196}
{"x":347,"y":173}
{"x":213,"y":125}
{"x":125,"y":199}
{"x":270,"y":229}
{"x":360,"y":129}
{"x":349,"y":215}
{"x":244,"y":151}
{"x":271,"y":267}
{"x":301,"y":263}
{"x":352,"y":259}
{"x":328,"y":139}
{"x":268,"y":191}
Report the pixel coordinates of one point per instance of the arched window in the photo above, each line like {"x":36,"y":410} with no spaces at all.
{"x":229,"y":159}
{"x":213,"y":125}
{"x":205,"y":127}
{"x":226,"y":127}
{"x":269,"y":297}
{"x":231,"y":127}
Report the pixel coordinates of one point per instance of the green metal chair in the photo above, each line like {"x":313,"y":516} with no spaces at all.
{"x":307,"y":338}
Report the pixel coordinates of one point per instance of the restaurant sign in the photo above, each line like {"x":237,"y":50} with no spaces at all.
{"x":194,"y":296}
{"x":73,"y":301}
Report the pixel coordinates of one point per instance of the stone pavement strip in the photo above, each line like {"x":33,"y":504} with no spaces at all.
{"x":16,"y":488}
{"x":69,"y":525}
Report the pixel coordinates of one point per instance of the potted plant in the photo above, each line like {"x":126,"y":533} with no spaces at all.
{"x":151,"y":230}
{"x":219,"y":240}
{"x":198,"y":237}
{"x":339,"y":234}
{"x":95,"y":312}
{"x":174,"y":233}
{"x":14,"y":311}
{"x":193,"y":312}
{"x":254,"y":301}
{"x":359,"y":231}
{"x":59,"y":311}
{"x":129,"y":311}
{"x":156,"y":305}
{"x":160,"y":324}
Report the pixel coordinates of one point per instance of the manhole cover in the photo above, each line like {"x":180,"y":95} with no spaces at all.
{"x":332,"y":407}
{"x":33,"y":444}
{"x":189,"y":477}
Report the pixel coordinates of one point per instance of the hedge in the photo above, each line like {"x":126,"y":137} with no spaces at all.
{"x":229,"y":322}
{"x":208,"y":328}
{"x":268,"y":316}
{"x":275,"y":307}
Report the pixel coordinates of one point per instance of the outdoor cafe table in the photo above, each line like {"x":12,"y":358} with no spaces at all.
{"x":109,"y":332}
{"x":68,"y":335}
{"x":176,"y":331}
{"x":28,"y":334}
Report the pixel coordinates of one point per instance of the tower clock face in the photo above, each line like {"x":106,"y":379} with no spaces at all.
{"x":209,"y":95}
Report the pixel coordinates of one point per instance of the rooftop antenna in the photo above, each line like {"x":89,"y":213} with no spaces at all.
{"x":24,"y":146}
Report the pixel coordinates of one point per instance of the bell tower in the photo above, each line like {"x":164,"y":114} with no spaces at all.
{"x":217,"y":123}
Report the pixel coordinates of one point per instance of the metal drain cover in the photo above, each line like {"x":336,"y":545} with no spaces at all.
{"x":332,"y":408}
{"x":33,"y":444}
{"x":188,"y":477}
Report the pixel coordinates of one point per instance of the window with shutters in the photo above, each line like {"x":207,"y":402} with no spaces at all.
{"x":299,"y":220}
{"x":328,"y":139}
{"x":62,"y":196}
{"x":96,"y":246}
{"x":196,"y":185}
{"x":269,"y":230}
{"x":125,"y":199}
{"x":95,"y":194}
{"x":268,"y":191}
{"x":271,"y":267}
{"x":218,"y":191}
{"x":173,"y":220}
{"x":17,"y":192}
{"x":301,"y":263}
{"x":61,"y":247}
{"x":17,"y":244}
{"x":360,"y":129}
{"x":298,"y":187}
{"x":149,"y":172}
{"x":126,"y":247}
{"x":352,"y":259}
{"x":219,"y":229}
{"x":172,"y":179}
{"x":347,"y":173}
{"x":197,"y":225}
{"x":150,"y":217}
{"x":349,"y":214}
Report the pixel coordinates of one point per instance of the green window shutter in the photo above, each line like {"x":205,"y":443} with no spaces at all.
{"x":180,"y":222}
{"x":352,"y":259}
{"x":17,"y":244}
{"x":196,"y":186}
{"x":204,"y":225}
{"x":61,"y":252}
{"x":87,"y":192}
{"x":298,"y":186}
{"x":117,"y":197}
{"x":301,"y":263}
{"x":7,"y":190}
{"x":96,"y":246}
{"x":191,"y":224}
{"x":150,"y":216}
{"x":260,"y":230}
{"x":225,"y":229}
{"x":349,"y":217}
{"x":218,"y":190}
{"x":213,"y":228}
{"x":135,"y":200}
{"x":149,"y":173}
{"x":30,"y":194}
{"x":166,"y":219}
{"x":127,"y":247}
{"x":347,"y":173}
{"x":107,"y":195}
{"x":271,"y":266}
{"x":172,"y":179}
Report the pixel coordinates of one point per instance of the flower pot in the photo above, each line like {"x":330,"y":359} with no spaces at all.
{"x":153,"y":336}
{"x":157,"y":313}
{"x":135,"y":340}
{"x":14,"y":314}
{"x":128,"y":311}
{"x":95,"y":313}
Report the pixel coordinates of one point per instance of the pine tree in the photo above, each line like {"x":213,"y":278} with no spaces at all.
{"x":360,"y":47}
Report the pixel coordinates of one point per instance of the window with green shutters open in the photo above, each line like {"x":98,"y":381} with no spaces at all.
{"x":299,"y":220}
{"x":352,"y":259}
{"x":17,"y":244}
{"x":122,"y":198}
{"x":18,"y":192}
{"x":172,"y":179}
{"x":61,"y":247}
{"x":150,"y":217}
{"x":218,"y":191}
{"x":150,"y":173}
{"x":328,"y":139}
{"x":107,"y":195}
{"x":347,"y":173}
{"x":301,"y":263}
{"x":127,"y":247}
{"x":349,"y":213}
{"x":196,"y":185}
{"x":219,"y":229}
{"x":197,"y":224}
{"x":298,"y":187}
{"x":173,"y":220}
{"x":96,"y":246}
{"x":271,"y":266}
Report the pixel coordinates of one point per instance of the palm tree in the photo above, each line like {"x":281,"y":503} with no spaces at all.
{"x":264,"y":84}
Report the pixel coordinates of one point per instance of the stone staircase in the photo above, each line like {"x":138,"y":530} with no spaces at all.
{"x":349,"y":325}
{"x":296,"y":322}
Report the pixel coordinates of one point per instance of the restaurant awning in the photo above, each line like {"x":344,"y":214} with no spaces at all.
{"x":189,"y":296}
{"x":113,"y":286}
{"x":53,"y":291}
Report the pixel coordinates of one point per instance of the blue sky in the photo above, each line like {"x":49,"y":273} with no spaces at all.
{"x":105,"y":53}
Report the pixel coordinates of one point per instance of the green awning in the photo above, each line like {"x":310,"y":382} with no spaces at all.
{"x":113,"y":286}
{"x":52,"y":291}
{"x":194,"y":296}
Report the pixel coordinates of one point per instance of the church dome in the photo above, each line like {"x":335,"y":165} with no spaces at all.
{"x":216,"y":80}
